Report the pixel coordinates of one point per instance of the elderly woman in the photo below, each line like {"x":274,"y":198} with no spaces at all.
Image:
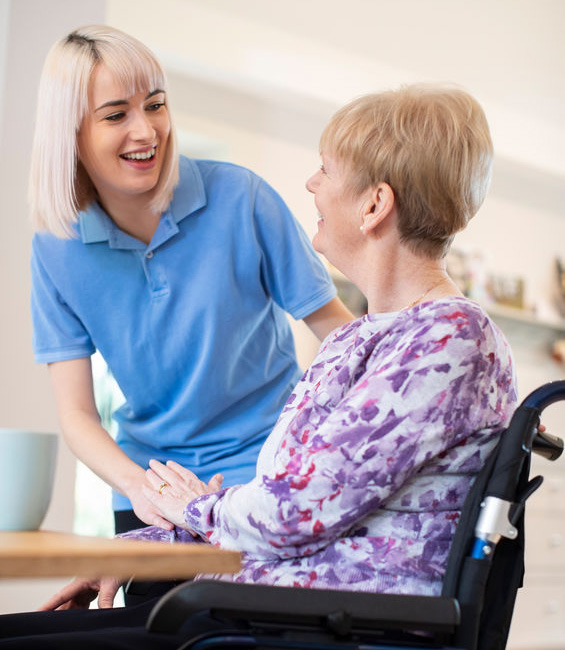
{"x":362,"y":480}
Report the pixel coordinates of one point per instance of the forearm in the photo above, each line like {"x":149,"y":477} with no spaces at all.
{"x":256,"y":519}
{"x":81,"y":427}
{"x":94,"y":446}
{"x":91,"y":443}
{"x":324,"y":320}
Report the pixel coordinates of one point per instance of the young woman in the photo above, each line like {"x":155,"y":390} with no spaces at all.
{"x":361,"y":483}
{"x":180,"y":272}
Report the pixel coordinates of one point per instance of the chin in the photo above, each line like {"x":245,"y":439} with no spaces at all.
{"x":317,"y":243}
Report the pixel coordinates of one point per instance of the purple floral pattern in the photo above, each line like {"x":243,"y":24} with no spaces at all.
{"x":361,"y":483}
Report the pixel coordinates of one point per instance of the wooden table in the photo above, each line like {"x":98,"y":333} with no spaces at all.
{"x":49,"y":554}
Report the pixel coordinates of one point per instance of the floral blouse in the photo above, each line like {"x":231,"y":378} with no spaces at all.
{"x":361,"y":482}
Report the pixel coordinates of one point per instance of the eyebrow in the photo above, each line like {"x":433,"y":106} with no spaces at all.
{"x":124,"y":102}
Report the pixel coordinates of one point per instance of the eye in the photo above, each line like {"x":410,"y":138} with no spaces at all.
{"x":115,"y":117}
{"x":155,"y":106}
{"x":323,"y":169}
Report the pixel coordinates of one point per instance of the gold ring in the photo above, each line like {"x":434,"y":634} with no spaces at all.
{"x":163,"y":486}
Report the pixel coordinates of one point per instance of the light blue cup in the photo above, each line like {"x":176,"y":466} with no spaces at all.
{"x":27,"y":470}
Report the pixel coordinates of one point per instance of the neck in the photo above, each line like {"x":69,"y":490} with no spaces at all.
{"x":394,"y":279}
{"x":132,"y":215}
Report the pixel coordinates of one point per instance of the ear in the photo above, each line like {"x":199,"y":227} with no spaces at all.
{"x":380,"y":203}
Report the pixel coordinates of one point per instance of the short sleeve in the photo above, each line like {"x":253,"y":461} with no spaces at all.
{"x":58,"y":334}
{"x":293,"y":273}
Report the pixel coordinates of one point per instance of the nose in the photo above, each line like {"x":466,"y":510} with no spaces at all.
{"x":141,"y":127}
{"x":312,"y":183}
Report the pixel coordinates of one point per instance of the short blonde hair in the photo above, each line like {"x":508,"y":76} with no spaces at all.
{"x":59,"y":186}
{"x":431,"y":144}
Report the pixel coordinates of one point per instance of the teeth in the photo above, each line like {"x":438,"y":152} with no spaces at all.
{"x":144,"y":155}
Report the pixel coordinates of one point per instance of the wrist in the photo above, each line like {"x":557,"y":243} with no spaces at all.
{"x":131,"y":481}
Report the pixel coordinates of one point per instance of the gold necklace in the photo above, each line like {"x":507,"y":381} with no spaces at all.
{"x":426,"y":292}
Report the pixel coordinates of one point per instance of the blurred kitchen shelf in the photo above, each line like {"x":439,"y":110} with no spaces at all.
{"x":517,"y":324}
{"x":524,"y":326}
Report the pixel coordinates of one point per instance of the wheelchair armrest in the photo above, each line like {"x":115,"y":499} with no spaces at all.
{"x":340,"y":611}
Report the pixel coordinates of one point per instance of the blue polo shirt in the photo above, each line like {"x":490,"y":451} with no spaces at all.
{"x":193,"y":325}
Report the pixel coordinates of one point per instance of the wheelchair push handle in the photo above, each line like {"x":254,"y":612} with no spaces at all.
{"x":546,"y":445}
{"x":523,"y":429}
{"x":545,"y":395}
{"x":523,"y":436}
{"x":503,"y":506}
{"x":543,"y":443}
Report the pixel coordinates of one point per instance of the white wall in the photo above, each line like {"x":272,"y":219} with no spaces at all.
{"x":30,"y":27}
{"x":4,"y":30}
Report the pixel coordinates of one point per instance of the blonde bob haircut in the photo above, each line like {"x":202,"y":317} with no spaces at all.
{"x":59,"y":187}
{"x":431,"y":144}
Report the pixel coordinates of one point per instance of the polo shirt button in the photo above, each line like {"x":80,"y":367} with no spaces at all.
{"x":149,"y":255}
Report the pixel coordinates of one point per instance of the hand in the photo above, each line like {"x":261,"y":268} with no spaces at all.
{"x":81,"y":592}
{"x":143,"y":507}
{"x":182,"y":486}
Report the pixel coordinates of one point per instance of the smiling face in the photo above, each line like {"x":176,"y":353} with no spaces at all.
{"x":123,"y":138}
{"x":340,"y":215}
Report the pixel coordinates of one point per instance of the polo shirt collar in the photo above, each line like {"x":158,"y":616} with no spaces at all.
{"x":189,"y":196}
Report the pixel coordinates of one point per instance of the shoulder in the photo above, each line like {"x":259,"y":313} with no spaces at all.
{"x":45,"y":243}
{"x":216,"y":170}
{"x":460,"y":318}
{"x":450,"y":333}
{"x":232,"y":178}
{"x":458,"y":336}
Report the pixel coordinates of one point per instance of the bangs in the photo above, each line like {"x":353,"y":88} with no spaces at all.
{"x":135,"y":71}
{"x":350,"y":137}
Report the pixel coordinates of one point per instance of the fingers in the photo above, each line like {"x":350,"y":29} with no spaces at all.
{"x":174,"y":473}
{"x":158,"y":483}
{"x":215,"y":482}
{"x":147,"y":509}
{"x":52,"y":604}
{"x":80,"y":593}
{"x":168,"y":504}
{"x":179,"y":477}
{"x":159,"y":474}
{"x":108,"y":589}
{"x":159,"y":521}
{"x":161,"y":470}
{"x":183,"y":472}
{"x":169,"y":507}
{"x":155,"y":516}
{"x":57,"y":600}
{"x":64,"y":599}
{"x":169,"y":488}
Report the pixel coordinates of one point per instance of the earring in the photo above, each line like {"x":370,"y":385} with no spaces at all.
{"x":362,"y":229}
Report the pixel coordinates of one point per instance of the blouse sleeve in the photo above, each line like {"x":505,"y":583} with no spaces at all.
{"x":157,"y":534}
{"x":335,"y":466}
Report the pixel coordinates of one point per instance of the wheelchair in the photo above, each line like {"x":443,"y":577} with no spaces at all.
{"x":484,"y":572}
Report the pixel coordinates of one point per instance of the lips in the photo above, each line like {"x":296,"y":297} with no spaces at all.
{"x":140,"y":156}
